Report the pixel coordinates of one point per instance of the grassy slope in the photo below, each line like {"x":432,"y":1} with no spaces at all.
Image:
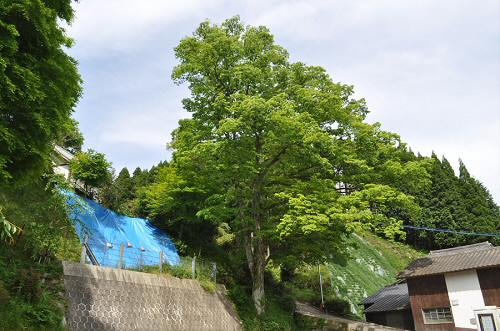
{"x":375,"y":264}
{"x":31,"y":282}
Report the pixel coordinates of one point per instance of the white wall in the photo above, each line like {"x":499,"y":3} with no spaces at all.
{"x":62,"y":170}
{"x":465,"y":295}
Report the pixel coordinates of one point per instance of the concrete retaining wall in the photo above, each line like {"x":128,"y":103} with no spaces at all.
{"x":112,"y":299}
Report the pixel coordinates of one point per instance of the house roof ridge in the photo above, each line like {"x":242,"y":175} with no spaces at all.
{"x":478,"y":258}
{"x":461,"y":249}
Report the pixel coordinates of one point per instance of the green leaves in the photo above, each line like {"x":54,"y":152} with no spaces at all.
{"x":380,"y":208}
{"x":39,"y":85}
{"x":91,"y":168}
{"x":7,"y":229}
{"x":270,"y":142}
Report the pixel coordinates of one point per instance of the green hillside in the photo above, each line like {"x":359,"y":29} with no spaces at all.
{"x":373,"y":264}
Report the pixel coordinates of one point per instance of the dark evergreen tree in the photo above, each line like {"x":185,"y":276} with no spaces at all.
{"x":483,"y":215}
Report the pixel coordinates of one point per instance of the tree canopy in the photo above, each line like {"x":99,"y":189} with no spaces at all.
{"x":39,"y":84}
{"x":92,"y":169}
{"x":270,"y":146}
{"x":278,"y":164}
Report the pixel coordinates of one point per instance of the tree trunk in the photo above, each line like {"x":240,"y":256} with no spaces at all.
{"x":256,"y":259}
{"x":254,"y":242}
{"x":258,"y":285}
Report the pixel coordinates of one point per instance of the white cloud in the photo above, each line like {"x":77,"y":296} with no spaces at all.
{"x":118,"y":25}
{"x":429,"y":70}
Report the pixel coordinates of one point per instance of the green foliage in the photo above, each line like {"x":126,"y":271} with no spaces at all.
{"x":338,"y":307}
{"x":117,"y":195}
{"x":39,"y":85}
{"x":4,"y":296}
{"x":279,"y":310}
{"x":268,"y":148}
{"x":32,"y":304}
{"x":161,"y":197}
{"x":27,"y":284}
{"x":30,"y":268}
{"x":71,"y":137}
{"x":7,"y":229}
{"x":41,"y":210}
{"x":454,"y":203}
{"x":208,"y":285}
{"x":378,"y":207}
{"x":91,"y":168}
{"x":372,"y":264}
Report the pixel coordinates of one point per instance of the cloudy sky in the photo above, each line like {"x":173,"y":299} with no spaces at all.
{"x":429,"y":70}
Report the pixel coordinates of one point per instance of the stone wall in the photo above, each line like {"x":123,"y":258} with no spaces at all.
{"x":112,"y":299}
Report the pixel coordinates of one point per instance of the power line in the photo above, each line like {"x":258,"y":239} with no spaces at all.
{"x":452,"y":231}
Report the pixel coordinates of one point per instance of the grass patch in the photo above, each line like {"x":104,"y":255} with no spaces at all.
{"x":183,"y":270}
{"x":31,"y":276}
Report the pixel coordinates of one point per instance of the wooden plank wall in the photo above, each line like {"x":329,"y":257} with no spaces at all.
{"x":489,"y":280}
{"x":428,"y":292}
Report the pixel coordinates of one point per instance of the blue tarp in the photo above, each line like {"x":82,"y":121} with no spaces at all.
{"x":105,"y":230}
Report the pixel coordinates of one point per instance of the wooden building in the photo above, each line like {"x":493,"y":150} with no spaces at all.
{"x":456,"y":289}
{"x":390,"y":306}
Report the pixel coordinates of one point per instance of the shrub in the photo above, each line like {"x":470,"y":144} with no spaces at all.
{"x":287,"y":303}
{"x":338,"y":307}
{"x":28,"y":285}
{"x":208,"y":285}
{"x":4,"y":295}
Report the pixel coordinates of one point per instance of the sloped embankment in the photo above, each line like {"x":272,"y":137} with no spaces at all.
{"x":374,"y":263}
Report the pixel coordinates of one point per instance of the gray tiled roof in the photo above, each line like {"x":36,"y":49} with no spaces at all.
{"x":452,"y":260}
{"x":393,"y":297}
{"x":462,"y":249}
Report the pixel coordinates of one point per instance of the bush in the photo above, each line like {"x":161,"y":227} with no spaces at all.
{"x":287,"y":303}
{"x":28,"y":285}
{"x":208,"y":285}
{"x":338,"y":307}
{"x":4,"y":295}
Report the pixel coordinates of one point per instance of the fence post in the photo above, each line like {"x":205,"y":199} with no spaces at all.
{"x":83,"y":256}
{"x":141,"y":259}
{"x":214,"y":271}
{"x":193,"y":266}
{"x":120,"y":263}
{"x":161,"y":261}
{"x":84,"y":252}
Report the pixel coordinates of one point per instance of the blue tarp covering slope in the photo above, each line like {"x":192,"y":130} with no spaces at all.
{"x":105,"y":230}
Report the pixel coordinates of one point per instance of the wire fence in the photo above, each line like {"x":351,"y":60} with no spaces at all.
{"x":124,"y":256}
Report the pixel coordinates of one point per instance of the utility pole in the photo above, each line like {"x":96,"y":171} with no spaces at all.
{"x":321,"y":287}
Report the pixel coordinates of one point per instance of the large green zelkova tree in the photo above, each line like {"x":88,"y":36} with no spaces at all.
{"x":92,"y":169}
{"x":39,"y":84}
{"x":267,"y":144}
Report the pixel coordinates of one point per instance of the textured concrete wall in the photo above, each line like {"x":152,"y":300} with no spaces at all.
{"x":111,"y":299}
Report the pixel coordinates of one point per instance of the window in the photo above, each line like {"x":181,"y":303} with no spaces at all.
{"x":486,"y":322}
{"x":437,"y":315}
